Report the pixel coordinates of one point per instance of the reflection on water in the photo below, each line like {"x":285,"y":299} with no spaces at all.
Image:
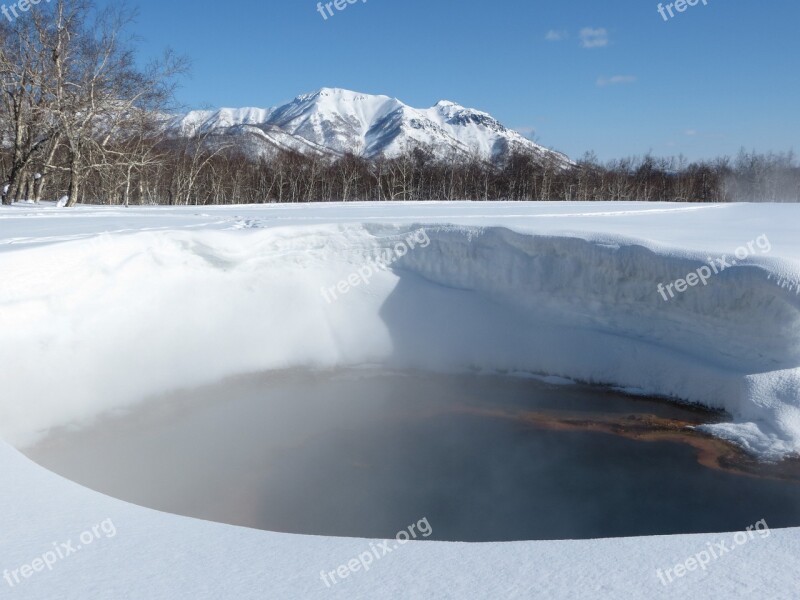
{"x":365,"y":453}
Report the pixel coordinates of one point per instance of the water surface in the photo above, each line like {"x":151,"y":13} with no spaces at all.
{"x":366,"y":453}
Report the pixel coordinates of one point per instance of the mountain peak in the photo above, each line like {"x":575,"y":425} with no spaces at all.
{"x":340,"y":94}
{"x":335,"y":121}
{"x":335,"y":91}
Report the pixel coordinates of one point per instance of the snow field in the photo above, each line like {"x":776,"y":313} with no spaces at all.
{"x":102,"y":308}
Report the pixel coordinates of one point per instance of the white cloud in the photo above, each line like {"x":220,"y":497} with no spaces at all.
{"x":594,"y":38}
{"x":556,"y":36}
{"x":616,"y":80}
{"x":690,"y":132}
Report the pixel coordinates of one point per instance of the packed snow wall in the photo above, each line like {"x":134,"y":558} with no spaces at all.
{"x":99,"y":324}
{"x":599,"y":310}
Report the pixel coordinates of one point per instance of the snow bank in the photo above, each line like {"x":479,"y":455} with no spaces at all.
{"x":100,"y":323}
{"x":732,"y":344}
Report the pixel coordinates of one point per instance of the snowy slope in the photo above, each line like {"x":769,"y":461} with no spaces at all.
{"x":335,"y":121}
{"x":94,"y":298}
{"x":576,"y":304}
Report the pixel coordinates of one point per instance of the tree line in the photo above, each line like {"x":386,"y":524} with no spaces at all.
{"x":190,"y":172}
{"x":80,"y":118}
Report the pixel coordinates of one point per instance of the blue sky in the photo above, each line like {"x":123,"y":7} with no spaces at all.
{"x":707,"y":82}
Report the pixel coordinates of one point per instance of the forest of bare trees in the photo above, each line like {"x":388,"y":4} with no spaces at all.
{"x":80,"y":119}
{"x":230,"y":177}
{"x":75,"y":106}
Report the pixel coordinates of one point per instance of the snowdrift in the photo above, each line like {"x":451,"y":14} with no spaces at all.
{"x":97,"y":324}
{"x":596,"y":316}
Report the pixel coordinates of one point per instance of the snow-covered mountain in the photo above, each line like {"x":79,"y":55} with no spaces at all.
{"x":335,"y":121}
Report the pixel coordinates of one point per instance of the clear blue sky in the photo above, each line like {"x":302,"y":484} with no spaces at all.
{"x":708,"y":81}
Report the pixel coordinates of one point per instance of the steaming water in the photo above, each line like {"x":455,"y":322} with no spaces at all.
{"x":367,"y":453}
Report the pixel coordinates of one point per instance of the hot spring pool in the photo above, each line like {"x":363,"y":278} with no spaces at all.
{"x":365,"y":453}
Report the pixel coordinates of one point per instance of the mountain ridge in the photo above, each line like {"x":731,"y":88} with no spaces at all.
{"x":335,"y":121}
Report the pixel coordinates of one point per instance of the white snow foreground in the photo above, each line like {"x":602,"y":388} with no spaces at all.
{"x":101,"y":308}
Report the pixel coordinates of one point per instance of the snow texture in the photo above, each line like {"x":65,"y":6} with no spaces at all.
{"x":103,"y":307}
